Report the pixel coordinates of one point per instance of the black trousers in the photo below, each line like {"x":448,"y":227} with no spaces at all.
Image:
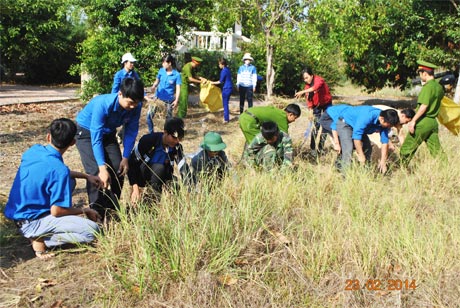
{"x":317,"y":113}
{"x":101,"y":200}
{"x":245,"y":92}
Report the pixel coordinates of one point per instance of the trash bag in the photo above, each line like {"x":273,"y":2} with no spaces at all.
{"x":449,"y":115}
{"x":211,"y":97}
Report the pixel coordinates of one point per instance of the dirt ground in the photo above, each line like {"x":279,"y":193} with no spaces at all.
{"x":65,"y":281}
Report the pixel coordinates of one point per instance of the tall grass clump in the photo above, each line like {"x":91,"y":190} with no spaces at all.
{"x":297,"y":238}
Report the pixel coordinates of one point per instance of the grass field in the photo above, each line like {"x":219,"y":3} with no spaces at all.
{"x":303,"y":238}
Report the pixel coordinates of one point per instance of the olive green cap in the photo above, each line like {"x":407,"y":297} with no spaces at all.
{"x":426,"y":65}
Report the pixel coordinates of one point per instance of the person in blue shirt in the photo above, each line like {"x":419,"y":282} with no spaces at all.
{"x":152,"y":160}
{"x":40,"y":200}
{"x":355,"y":124}
{"x":246,"y":81}
{"x":328,"y":122}
{"x":97,"y":144}
{"x":127,"y":71}
{"x":225,"y":81}
{"x":166,"y":88}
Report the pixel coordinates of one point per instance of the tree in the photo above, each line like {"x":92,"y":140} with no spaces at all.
{"x":39,"y":39}
{"x":146,"y":28}
{"x":382,"y":39}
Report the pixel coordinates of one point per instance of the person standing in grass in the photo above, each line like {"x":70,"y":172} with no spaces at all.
{"x":251,"y":120}
{"x":424,"y":126}
{"x":319,"y":98}
{"x":152,"y":159}
{"x":127,"y":71}
{"x":188,"y":76}
{"x":211,"y":161}
{"x":270,"y":148}
{"x":353,"y":126}
{"x":97,"y":143}
{"x":40,"y":201}
{"x":166,"y":88}
{"x":227,"y":87}
{"x":246,"y":81}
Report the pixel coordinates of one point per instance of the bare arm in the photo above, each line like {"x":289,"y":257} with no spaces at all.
{"x":359,"y":150}
{"x":383,"y":159}
{"x":58,"y":211}
{"x":93,"y":179}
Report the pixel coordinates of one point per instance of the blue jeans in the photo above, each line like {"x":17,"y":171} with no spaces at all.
{"x":225,"y":99}
{"x":57,"y":231}
{"x":151,"y":114}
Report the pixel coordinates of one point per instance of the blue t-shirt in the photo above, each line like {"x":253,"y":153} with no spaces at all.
{"x":119,"y":76}
{"x":365,"y":120}
{"x":101,"y":116}
{"x":335,"y":112}
{"x":167,"y":85}
{"x":42,"y":180}
{"x":226,"y":78}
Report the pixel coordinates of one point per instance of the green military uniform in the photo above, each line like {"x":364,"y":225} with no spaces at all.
{"x":252,"y":118}
{"x":261,"y":154}
{"x":187,"y":71}
{"x":426,"y":128}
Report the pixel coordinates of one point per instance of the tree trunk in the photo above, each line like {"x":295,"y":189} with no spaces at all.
{"x":270,"y":71}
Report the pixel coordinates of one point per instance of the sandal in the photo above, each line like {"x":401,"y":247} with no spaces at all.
{"x":44,"y":255}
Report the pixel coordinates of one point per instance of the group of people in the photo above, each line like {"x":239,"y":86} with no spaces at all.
{"x":171,"y":88}
{"x":40,"y":201}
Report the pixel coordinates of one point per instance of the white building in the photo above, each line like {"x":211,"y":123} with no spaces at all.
{"x":211,"y":40}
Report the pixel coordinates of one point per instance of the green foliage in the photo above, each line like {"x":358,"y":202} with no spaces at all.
{"x":144,"y":28}
{"x":381,"y":40}
{"x":39,"y":39}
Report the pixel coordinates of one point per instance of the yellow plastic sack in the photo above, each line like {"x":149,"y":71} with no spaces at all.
{"x":211,"y":97}
{"x":449,"y":115}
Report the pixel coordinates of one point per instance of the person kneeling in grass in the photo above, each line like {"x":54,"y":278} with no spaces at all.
{"x":211,"y":162}
{"x":152,"y":159}
{"x":40,"y":200}
{"x":270,"y":148}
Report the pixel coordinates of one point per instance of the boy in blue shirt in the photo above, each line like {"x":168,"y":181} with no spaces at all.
{"x":152,"y":160}
{"x":355,"y":124}
{"x":40,"y":201}
{"x":97,"y":143}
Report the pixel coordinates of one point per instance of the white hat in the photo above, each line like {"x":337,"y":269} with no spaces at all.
{"x":247,"y":56}
{"x":128,"y":57}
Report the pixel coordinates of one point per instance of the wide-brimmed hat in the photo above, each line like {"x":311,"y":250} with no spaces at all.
{"x":247,"y":56}
{"x":128,"y":57}
{"x":213,"y":142}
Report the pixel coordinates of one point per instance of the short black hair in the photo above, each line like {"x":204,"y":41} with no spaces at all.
{"x":390,"y":116}
{"x":408,"y":112}
{"x":307,"y":70}
{"x":169,"y":59}
{"x":223,"y":61}
{"x":175,"y":126}
{"x":294,"y":109}
{"x":269,"y":130}
{"x":62,"y":132}
{"x":133,"y":89}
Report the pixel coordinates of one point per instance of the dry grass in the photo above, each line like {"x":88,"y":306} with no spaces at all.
{"x":260,"y":240}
